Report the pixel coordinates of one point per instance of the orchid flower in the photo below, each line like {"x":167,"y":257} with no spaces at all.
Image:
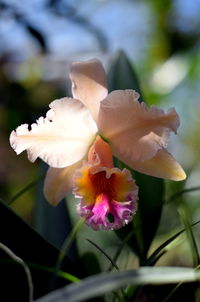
{"x":79,"y":136}
{"x":107,"y":195}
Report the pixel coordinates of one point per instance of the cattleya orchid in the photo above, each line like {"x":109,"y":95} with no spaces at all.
{"x":79,"y":136}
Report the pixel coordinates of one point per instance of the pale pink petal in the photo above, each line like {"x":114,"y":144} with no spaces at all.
{"x":162,"y":165}
{"x":58,"y":182}
{"x":100,"y":154}
{"x":60,"y":139}
{"x":134,"y":131}
{"x":89,"y":84}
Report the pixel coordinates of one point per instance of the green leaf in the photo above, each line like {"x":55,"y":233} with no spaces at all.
{"x":64,"y":251}
{"x":25,"y":189}
{"x":90,"y":263}
{"x":151,"y":192}
{"x":151,"y":189}
{"x":31,"y":247}
{"x":183,"y":212}
{"x":37,"y":35}
{"x":103,"y":283}
{"x":181,"y":192}
{"x":20,"y":261}
{"x":39,"y":267}
{"x":121,"y":74}
{"x":53,"y":223}
{"x":141,"y":231}
{"x":104,"y":253}
{"x":162,"y":248}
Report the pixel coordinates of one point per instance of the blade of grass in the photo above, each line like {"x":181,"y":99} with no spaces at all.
{"x":119,"y":250}
{"x":31,"y":247}
{"x":64,"y":250}
{"x":150,"y":260}
{"x":22,"y":263}
{"x":156,"y":254}
{"x":197,"y":294}
{"x":180,"y":193}
{"x":25,"y":189}
{"x":111,"y":261}
{"x":106,"y":282}
{"x":175,"y":288}
{"x":171,"y":198}
{"x":104,"y":253}
{"x":193,"y":245}
{"x":61,"y":274}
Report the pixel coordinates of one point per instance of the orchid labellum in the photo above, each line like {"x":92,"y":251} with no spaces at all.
{"x":79,"y":136}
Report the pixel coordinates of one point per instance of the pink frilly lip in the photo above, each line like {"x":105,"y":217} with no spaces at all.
{"x":108,"y":197}
{"x":108,"y":215}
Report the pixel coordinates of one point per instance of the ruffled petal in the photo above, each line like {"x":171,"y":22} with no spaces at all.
{"x":107,"y":196}
{"x":134,"y":131}
{"x":89,"y":84}
{"x":58,"y":182}
{"x":162,"y":165}
{"x":60,"y":139}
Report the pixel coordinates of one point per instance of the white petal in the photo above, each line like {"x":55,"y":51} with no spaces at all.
{"x":135,"y":131}
{"x":58,"y":182}
{"x":60,"y":139}
{"x":89,"y":84}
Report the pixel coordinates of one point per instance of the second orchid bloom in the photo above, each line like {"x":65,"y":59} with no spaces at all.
{"x":79,"y":136}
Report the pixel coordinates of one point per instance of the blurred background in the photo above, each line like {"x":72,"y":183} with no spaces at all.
{"x":39,"y":39}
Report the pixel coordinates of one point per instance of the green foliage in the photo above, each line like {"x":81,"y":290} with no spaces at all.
{"x":121,"y":74}
{"x":54,"y":264}
{"x":106,"y":282}
{"x":105,"y":254}
{"x":149,"y":210}
{"x":32,"y":248}
{"x":183,"y":211}
{"x":162,"y":248}
{"x":53,"y":223}
{"x":90,"y":263}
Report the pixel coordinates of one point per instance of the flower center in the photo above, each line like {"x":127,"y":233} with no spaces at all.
{"x":103,"y":185}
